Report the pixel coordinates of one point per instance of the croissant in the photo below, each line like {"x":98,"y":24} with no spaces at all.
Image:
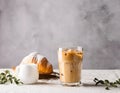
{"x":44,"y":66}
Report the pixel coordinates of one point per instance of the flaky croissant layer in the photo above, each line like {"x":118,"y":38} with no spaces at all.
{"x":44,"y":66}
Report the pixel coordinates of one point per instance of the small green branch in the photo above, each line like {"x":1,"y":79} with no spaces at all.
{"x":107,"y":83}
{"x":6,"y":77}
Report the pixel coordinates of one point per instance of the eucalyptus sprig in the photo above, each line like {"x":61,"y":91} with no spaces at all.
{"x":107,"y":83}
{"x":6,"y":77}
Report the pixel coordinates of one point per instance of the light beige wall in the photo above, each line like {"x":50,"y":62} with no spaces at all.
{"x":44,"y":25}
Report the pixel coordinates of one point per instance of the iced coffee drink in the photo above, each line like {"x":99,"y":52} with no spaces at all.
{"x":70,"y":61}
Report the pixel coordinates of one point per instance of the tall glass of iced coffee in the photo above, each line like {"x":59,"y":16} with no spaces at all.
{"x":70,"y":65}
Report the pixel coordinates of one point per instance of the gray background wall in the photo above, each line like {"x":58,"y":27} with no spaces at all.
{"x":44,"y":25}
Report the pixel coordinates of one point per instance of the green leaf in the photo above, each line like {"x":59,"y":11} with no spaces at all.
{"x":119,"y":79}
{"x":107,"y":88}
{"x":95,"y":80}
{"x":10,"y":80}
{"x":9,"y":76}
{"x":117,"y":82}
{"x":7,"y":71}
{"x":107,"y":81}
{"x":2,"y":73}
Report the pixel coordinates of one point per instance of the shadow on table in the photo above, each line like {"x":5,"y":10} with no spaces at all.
{"x":52,"y":82}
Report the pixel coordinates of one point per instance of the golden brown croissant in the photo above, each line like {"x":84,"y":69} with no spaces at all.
{"x":44,"y":67}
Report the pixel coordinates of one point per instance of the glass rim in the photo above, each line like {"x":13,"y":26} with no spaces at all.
{"x":79,"y":48}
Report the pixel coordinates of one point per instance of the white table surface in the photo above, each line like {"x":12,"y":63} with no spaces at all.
{"x":53,"y":86}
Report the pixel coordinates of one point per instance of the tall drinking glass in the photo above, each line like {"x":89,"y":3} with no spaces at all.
{"x":70,"y":65}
